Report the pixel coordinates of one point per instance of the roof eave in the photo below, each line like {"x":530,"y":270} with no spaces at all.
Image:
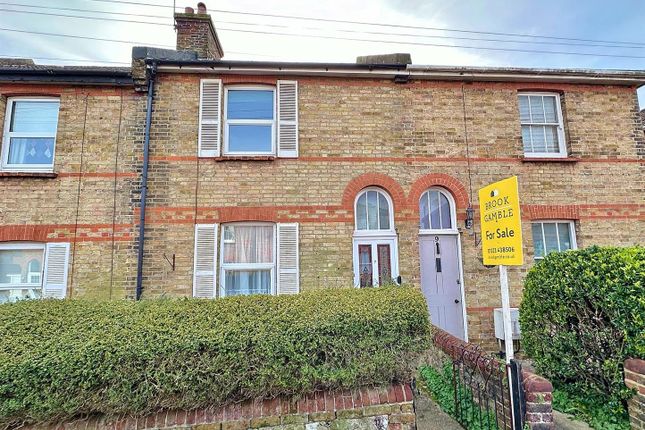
{"x":76,"y":77}
{"x":625,"y":78}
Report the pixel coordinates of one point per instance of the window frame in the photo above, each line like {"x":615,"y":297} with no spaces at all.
{"x":562,"y":144}
{"x":247,"y":266}
{"x":375,"y":233}
{"x":453,"y":214}
{"x":572,"y":234}
{"x":226,"y":151}
{"x":7,"y":135}
{"x":26,"y":246}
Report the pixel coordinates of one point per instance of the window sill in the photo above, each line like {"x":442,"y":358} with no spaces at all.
{"x":243,"y":158}
{"x":549,"y":160}
{"x":39,"y":175}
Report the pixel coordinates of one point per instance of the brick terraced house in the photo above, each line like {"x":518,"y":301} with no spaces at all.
{"x":274,"y":178}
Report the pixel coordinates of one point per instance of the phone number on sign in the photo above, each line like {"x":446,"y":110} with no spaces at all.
{"x":501,"y":250}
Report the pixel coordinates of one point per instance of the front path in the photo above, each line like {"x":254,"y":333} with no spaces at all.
{"x":431,"y":417}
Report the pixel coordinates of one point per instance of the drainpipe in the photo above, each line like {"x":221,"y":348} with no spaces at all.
{"x":144,"y":180}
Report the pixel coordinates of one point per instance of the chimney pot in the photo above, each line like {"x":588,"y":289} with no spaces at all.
{"x":189,"y":10}
{"x":196,"y":32}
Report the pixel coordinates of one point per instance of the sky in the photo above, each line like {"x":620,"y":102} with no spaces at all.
{"x":244,"y":36}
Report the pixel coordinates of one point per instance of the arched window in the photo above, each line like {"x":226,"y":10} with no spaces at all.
{"x":373,"y":211}
{"x":375,"y":242}
{"x":436,"y":210}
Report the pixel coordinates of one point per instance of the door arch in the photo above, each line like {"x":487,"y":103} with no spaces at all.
{"x":440,"y":261}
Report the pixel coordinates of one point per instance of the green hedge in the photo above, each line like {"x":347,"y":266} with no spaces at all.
{"x":583,"y":314}
{"x":60,"y":359}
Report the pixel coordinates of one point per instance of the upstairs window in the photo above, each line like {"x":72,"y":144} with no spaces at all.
{"x":552,"y":236}
{"x":542,"y":125}
{"x":249,"y":121}
{"x":29,"y":136}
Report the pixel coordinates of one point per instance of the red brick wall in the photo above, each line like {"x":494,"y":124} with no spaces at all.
{"x":635,"y":379}
{"x":538,"y":393}
{"x":387,"y":408}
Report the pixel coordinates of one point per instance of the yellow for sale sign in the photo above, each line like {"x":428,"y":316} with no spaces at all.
{"x":501,"y":227}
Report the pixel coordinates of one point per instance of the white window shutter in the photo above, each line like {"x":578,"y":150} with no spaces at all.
{"x":288,"y":259}
{"x":55,"y":278}
{"x":288,"y":119}
{"x":205,"y":261}
{"x":210,"y":114}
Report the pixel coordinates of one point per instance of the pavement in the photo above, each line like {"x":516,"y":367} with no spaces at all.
{"x":431,"y":417}
{"x":567,"y":422}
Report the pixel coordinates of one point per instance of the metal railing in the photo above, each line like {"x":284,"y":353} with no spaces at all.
{"x":481,"y":391}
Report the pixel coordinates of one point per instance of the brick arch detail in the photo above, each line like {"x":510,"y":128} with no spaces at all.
{"x":26,"y":233}
{"x":242,"y":214}
{"x":374,"y":180}
{"x":451,"y":184}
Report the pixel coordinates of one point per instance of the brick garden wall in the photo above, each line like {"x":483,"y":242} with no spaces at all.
{"x":403,"y":138}
{"x":389,"y":408}
{"x":538,"y":391}
{"x":635,"y":379}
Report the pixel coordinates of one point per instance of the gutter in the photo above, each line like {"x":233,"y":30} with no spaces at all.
{"x":144,"y":179}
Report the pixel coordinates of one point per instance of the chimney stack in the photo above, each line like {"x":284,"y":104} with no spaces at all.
{"x":196,"y":32}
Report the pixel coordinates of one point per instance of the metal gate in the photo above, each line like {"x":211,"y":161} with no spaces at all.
{"x":481,"y":390}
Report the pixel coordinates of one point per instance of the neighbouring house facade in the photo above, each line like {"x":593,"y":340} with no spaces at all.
{"x":277,"y":178}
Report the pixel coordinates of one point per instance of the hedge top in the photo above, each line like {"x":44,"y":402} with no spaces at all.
{"x":60,"y":359}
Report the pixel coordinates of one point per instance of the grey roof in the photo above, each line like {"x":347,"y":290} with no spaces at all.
{"x":25,"y":70}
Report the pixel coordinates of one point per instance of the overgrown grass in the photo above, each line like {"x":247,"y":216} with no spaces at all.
{"x":440,"y":386}
{"x":600,"y":412}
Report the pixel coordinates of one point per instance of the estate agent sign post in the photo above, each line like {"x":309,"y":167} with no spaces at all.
{"x":501,"y":232}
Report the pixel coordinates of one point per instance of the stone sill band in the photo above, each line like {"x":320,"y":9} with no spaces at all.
{"x":37,"y":175}
{"x":549,"y":160}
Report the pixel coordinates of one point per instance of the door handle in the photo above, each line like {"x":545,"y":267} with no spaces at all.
{"x":456,"y":300}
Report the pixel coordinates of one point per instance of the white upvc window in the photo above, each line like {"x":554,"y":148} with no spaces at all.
{"x":248,"y":263}
{"x":542,"y":125}
{"x":249,"y":120}
{"x":552,"y":236}
{"x":21,"y":271}
{"x":29,"y":137}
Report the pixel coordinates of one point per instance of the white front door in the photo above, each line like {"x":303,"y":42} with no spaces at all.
{"x":441,"y":283}
{"x":375,"y":262}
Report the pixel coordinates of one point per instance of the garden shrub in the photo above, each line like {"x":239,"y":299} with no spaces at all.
{"x":61,"y":359}
{"x":583,"y":314}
